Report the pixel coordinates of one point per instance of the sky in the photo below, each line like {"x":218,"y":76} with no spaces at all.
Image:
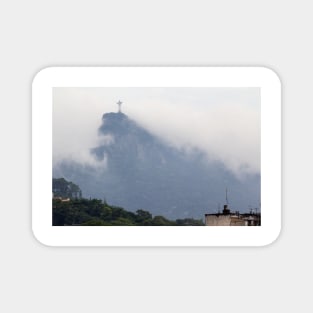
{"x":225,"y":123}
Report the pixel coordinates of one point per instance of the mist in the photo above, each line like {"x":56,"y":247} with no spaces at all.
{"x":224,"y":123}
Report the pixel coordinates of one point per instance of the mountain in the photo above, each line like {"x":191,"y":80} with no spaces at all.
{"x":141,"y":171}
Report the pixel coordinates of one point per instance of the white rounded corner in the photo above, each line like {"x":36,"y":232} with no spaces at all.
{"x":42,"y":74}
{"x":39,"y":239}
{"x":272,"y":75}
{"x":273,"y":237}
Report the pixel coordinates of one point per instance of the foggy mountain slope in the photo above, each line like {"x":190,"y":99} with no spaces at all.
{"x":143,"y":172}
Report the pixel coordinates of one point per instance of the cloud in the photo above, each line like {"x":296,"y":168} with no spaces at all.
{"x":223,"y":122}
{"x":76,"y":118}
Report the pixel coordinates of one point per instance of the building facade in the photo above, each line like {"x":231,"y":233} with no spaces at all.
{"x":228,"y":218}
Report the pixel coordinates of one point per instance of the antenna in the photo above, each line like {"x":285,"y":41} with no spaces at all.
{"x":226,"y":197}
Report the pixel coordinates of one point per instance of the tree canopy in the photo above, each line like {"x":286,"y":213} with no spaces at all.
{"x":70,"y":209}
{"x":65,"y":189}
{"x":94,"y":212}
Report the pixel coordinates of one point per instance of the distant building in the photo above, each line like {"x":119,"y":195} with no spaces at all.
{"x":228,"y":218}
{"x":62,"y":199}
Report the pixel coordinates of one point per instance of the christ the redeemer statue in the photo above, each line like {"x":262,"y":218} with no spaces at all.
{"x":119,"y":103}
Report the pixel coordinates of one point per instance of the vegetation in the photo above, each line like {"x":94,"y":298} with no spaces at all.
{"x":65,"y":189}
{"x":94,"y":212}
{"x":69,"y":209}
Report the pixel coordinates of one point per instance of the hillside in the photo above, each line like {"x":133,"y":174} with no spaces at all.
{"x":94,"y":212}
{"x":141,"y":171}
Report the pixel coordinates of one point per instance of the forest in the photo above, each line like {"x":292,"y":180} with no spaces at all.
{"x":69,"y":208}
{"x":95,"y":212}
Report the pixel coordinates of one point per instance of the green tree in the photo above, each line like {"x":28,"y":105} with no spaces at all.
{"x":162,"y":221}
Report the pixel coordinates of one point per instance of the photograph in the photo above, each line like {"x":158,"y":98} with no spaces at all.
{"x":156,"y":156}
{"x":147,"y":149}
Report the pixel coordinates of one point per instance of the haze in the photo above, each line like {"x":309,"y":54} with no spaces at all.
{"x":222,"y":122}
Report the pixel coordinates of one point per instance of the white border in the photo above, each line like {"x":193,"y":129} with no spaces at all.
{"x":261,"y":77}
